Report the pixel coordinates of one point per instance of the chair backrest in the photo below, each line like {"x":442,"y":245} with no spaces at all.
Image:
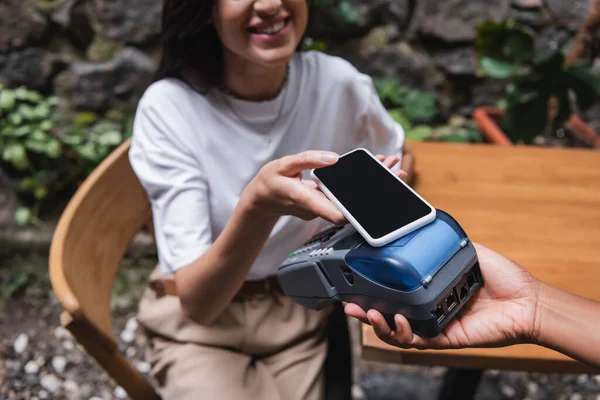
{"x":94,"y":232}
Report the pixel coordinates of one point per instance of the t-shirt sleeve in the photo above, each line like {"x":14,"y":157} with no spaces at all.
{"x":175,"y":182}
{"x":378,"y":131}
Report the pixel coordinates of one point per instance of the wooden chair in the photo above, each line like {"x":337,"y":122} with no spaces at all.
{"x":93,"y":234}
{"x":90,"y":240}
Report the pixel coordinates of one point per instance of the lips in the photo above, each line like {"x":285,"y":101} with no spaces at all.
{"x":271,"y":28}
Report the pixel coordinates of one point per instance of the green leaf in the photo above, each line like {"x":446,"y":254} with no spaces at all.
{"x":110,"y":138}
{"x":46,"y":125}
{"x":549,"y":63}
{"x":34,"y":97}
{"x":16,"y":154}
{"x":348,"y":12}
{"x":15,"y":118}
{"x":54,"y":149}
{"x":7,"y":99}
{"x":40,"y":192}
{"x":88,"y":151}
{"x":398,"y":115}
{"x":497,"y":68}
{"x":526,"y":113}
{"x":42,"y":111}
{"x":18,"y":132}
{"x":17,"y":283}
{"x":580,"y":78}
{"x":22,"y":216}
{"x":40,"y":136}
{"x":420,"y":106}
{"x":84,"y":119}
{"x":419,"y":133}
{"x":505,"y":43}
{"x":27,"y":183}
{"x":21,"y":93}
{"x":35,"y":146}
{"x":53,"y":100}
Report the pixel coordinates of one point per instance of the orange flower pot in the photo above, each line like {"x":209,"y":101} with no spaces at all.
{"x":486,"y":118}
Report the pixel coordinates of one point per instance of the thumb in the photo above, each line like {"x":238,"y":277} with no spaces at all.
{"x":292,"y":165}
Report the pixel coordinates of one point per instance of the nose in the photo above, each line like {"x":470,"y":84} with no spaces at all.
{"x":267,"y":8}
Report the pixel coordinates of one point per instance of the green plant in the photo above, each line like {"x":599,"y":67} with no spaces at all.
{"x":44,"y":151}
{"x":342,"y":11}
{"x":406,"y":103}
{"x":544,"y":91}
{"x":30,"y":149}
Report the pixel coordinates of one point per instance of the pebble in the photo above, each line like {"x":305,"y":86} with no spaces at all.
{"x":96,"y":398}
{"x":21,"y":343}
{"x":143,"y":367}
{"x":120,"y":393}
{"x":127,"y":336}
{"x":508,"y":391}
{"x":61,"y":333}
{"x":59,"y":363}
{"x":493,"y":372}
{"x":132,"y":324}
{"x":597,"y":379}
{"x":68,"y":345}
{"x":50,"y":383}
{"x":31,"y":367}
{"x":71,"y":387}
{"x":582,"y":379}
{"x":576,"y":396}
{"x":130,"y":352}
{"x":532,"y":388}
{"x":43,"y":394}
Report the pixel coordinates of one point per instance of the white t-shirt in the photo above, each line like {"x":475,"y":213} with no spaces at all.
{"x":195,"y":153}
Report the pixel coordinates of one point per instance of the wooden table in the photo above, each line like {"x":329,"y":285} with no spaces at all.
{"x":539,"y":207}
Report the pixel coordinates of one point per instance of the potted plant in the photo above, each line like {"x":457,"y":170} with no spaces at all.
{"x":546,"y":93}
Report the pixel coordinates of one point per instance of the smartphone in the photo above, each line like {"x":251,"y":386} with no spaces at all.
{"x":376,"y":202}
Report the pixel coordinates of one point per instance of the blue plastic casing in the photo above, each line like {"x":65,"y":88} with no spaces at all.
{"x":406,"y":263}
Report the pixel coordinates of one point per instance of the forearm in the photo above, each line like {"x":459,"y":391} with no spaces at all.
{"x":569,"y":324}
{"x":208,"y":285}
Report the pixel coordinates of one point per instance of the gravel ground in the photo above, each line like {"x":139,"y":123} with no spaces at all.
{"x":40,"y":360}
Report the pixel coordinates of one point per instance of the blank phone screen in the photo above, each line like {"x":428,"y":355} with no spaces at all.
{"x":375,"y":198}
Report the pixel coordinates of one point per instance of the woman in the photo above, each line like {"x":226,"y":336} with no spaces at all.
{"x":221,"y":142}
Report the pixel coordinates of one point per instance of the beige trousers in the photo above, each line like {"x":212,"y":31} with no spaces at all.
{"x":270,"y":349}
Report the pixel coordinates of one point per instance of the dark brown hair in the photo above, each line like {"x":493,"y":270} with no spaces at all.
{"x":191,"y":48}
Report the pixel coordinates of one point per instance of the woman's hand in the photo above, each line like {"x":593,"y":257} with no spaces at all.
{"x":390,"y":162}
{"x":278,"y":189}
{"x":502,"y":312}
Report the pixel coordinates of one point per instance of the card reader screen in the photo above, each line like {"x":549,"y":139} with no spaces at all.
{"x":376,"y":199}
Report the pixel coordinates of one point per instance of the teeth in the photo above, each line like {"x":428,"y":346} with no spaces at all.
{"x":270,"y":30}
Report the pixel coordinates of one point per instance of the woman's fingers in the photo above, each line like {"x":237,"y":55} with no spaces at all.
{"x":390,"y":161}
{"x":292,"y":165}
{"x":402,"y":174}
{"x":310,"y":200}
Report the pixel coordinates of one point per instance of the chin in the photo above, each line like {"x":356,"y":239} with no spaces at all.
{"x":273,"y":57}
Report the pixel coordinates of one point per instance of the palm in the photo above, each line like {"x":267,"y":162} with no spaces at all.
{"x":500,"y":313}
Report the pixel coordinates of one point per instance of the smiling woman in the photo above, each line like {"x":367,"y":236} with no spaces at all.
{"x":221,"y":142}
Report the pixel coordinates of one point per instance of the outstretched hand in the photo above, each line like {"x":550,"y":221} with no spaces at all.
{"x":502,"y":312}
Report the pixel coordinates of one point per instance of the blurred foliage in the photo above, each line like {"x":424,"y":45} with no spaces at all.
{"x":342,"y":11}
{"x":44,"y":151}
{"x":506,"y":50}
{"x":405,"y":103}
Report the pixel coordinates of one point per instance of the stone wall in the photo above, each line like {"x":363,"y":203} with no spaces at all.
{"x":101,"y":53}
